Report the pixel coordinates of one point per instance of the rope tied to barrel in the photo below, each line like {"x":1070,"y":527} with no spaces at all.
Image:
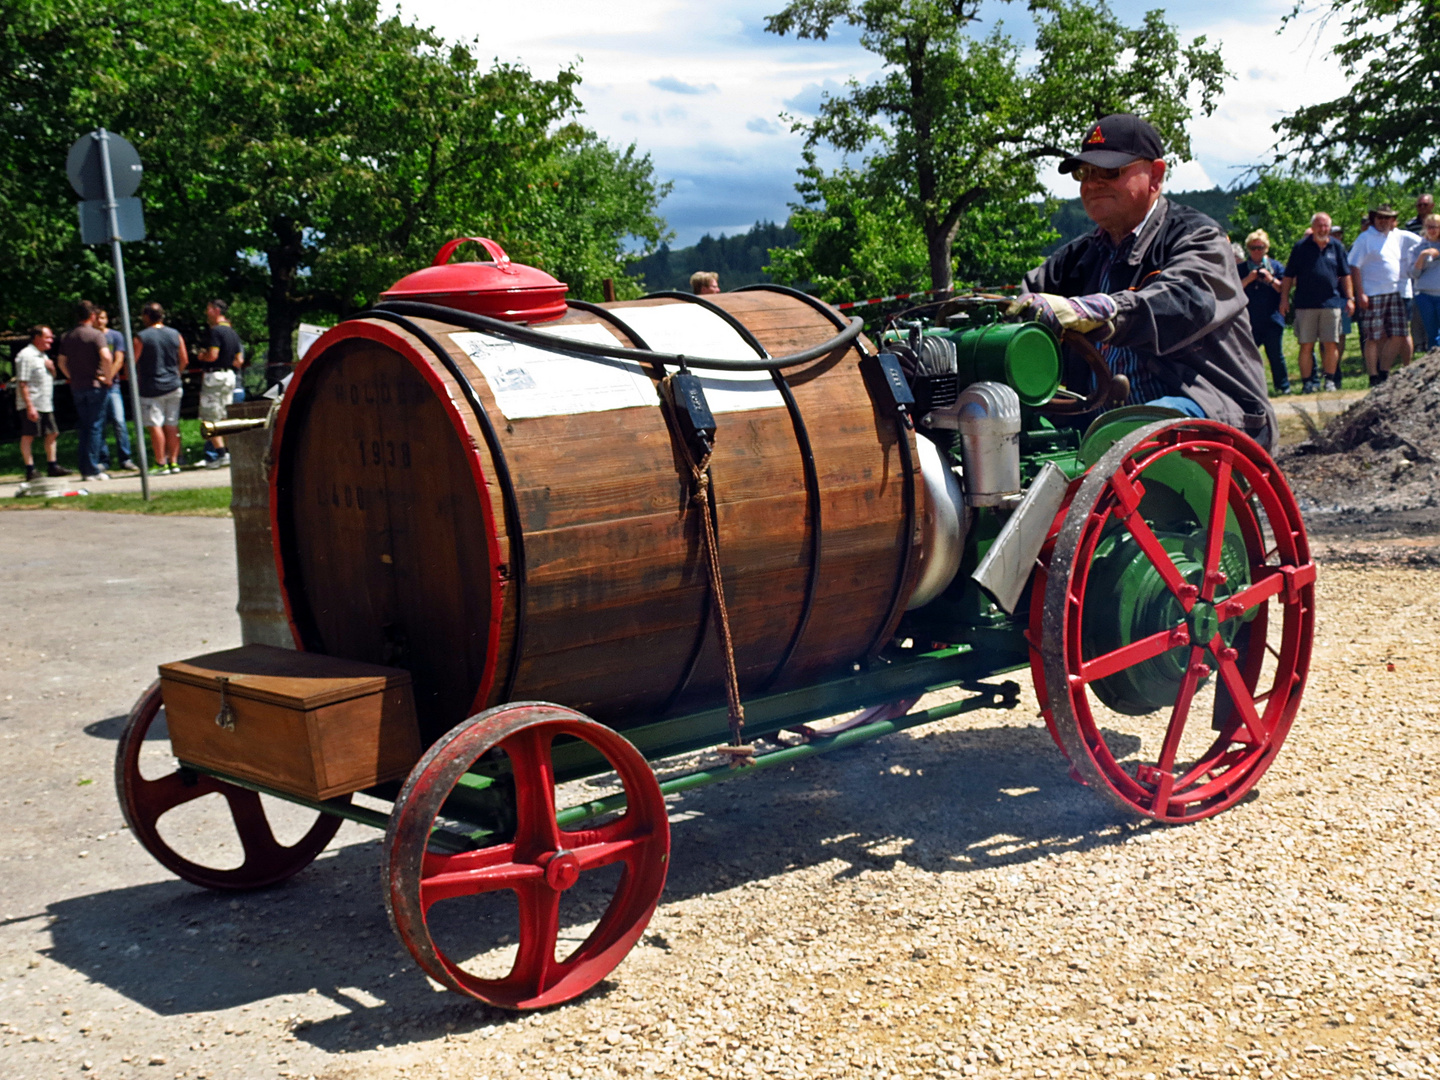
{"x":739,"y":751}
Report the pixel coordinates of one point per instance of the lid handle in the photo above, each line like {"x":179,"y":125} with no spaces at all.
{"x":502,"y":261}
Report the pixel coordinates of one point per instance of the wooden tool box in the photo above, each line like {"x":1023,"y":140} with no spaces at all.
{"x":297,"y":722}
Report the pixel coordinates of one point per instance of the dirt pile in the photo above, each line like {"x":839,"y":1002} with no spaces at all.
{"x":1380,"y":455}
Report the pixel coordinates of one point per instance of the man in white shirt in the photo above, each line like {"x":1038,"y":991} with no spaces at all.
{"x":1379,"y":267}
{"x":35,"y":400}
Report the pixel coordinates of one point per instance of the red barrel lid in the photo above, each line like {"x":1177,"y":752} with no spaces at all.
{"x":501,"y":289}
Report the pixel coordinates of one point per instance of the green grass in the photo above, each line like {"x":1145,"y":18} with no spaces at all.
{"x":196,"y":502}
{"x":1352,"y":363}
{"x":12,"y":466}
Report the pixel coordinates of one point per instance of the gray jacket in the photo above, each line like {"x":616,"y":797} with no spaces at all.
{"x":1181,"y":308}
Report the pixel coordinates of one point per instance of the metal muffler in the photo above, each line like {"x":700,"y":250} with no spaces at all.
{"x":987,"y":416}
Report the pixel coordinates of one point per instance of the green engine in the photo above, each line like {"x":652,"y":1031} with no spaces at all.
{"x":993,"y":418}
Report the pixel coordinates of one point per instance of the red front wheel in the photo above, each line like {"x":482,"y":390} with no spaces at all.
{"x":144,"y":802}
{"x":537,"y":863}
{"x":1176,"y":615}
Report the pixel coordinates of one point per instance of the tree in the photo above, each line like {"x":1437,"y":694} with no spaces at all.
{"x":858,"y":240}
{"x":855,"y":241}
{"x":955,"y":122}
{"x":739,"y":259}
{"x":1283,"y":205}
{"x":1386,"y":125}
{"x":307,"y":153}
{"x":578,"y":212}
{"x":45,"y":267}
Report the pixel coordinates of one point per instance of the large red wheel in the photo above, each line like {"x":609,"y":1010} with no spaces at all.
{"x":144,"y":802}
{"x":538,"y":864}
{"x":1181,"y":556}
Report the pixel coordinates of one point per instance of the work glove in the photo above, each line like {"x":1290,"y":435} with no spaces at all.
{"x":1084,"y":314}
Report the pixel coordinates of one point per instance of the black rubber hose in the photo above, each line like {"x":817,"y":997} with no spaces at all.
{"x":715,"y":309}
{"x":515,"y":332}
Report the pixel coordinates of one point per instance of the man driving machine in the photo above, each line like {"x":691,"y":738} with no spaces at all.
{"x":1154,"y":286}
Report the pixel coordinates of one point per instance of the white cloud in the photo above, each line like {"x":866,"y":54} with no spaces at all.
{"x":732,"y":156}
{"x":675,"y":86}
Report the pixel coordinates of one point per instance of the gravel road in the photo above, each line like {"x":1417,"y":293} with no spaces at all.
{"x":945,"y":902}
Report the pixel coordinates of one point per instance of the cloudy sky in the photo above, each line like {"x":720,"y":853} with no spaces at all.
{"x":700,"y":86}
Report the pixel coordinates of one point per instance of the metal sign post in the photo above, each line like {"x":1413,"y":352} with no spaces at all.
{"x":83,"y":164}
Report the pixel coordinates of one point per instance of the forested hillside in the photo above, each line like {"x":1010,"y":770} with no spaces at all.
{"x":739,"y":260}
{"x":1070,"y":220}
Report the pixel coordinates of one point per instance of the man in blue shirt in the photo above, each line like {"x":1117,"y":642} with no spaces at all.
{"x":114,"y":398}
{"x":1319,"y":273}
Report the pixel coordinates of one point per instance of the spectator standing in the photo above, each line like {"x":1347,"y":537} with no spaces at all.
{"x":1337,"y":233}
{"x":1380,"y":263}
{"x":1262,"y":277}
{"x":704,"y":282}
{"x":115,"y":399}
{"x":35,"y":399}
{"x":1319,"y":273}
{"x":87,"y":363}
{"x":1425,"y":275}
{"x":160,"y":357}
{"x":221,"y":357}
{"x":1424,"y":207}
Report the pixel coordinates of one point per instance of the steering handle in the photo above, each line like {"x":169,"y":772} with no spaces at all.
{"x":1108,"y":386}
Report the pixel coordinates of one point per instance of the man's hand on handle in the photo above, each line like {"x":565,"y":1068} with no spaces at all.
{"x":1083,"y":314}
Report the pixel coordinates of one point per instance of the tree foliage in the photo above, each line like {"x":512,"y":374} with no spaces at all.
{"x":956,"y":122}
{"x":739,"y":259}
{"x":856,"y":239}
{"x":303,"y":153}
{"x":1386,"y":125}
{"x":1283,"y":205}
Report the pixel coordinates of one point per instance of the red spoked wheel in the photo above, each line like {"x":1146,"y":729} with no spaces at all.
{"x":540,"y":863}
{"x":144,"y":802}
{"x":1182,"y":555}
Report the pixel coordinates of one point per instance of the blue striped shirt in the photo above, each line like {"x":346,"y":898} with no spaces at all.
{"x":1128,"y":362}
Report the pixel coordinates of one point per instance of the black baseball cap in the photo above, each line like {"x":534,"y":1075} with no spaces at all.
{"x":1114,"y":141}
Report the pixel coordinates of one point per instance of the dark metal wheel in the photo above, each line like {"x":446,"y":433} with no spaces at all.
{"x":1182,"y":554}
{"x":538,"y":864}
{"x":144,"y":802}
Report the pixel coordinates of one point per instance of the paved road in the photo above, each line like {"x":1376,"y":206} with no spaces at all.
{"x":104,"y":956}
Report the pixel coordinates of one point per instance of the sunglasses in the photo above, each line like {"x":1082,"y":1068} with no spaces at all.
{"x":1257,"y":247}
{"x":1095,"y":172}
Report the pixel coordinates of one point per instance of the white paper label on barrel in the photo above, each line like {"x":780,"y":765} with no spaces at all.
{"x":529,"y":381}
{"x":691,"y":330}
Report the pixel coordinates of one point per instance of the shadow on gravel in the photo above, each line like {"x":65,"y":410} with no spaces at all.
{"x":944,"y":801}
{"x":112,"y":727}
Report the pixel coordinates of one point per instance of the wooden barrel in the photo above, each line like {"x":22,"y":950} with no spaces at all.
{"x":515,"y":523}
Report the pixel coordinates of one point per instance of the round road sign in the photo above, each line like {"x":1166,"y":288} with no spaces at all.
{"x":82,"y":165}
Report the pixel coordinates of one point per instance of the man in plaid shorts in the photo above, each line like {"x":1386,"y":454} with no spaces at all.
{"x":1379,"y":265}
